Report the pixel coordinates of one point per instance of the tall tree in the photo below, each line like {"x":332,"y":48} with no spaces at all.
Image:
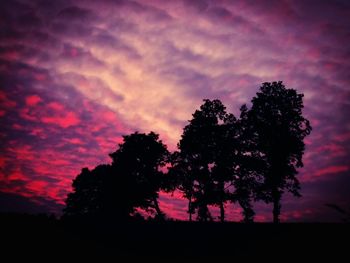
{"x":200,"y":161}
{"x":249,"y":166}
{"x":138,"y":161}
{"x":279,"y":128}
{"x":224,"y":168}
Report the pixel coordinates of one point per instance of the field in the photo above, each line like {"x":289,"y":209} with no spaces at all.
{"x":42,"y":238}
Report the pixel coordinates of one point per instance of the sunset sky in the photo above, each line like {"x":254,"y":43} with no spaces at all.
{"x":77,"y":75}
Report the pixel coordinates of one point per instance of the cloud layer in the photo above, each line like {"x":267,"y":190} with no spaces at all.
{"x":76,"y":75}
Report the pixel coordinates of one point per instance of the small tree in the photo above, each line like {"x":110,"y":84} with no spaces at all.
{"x":279,"y":129}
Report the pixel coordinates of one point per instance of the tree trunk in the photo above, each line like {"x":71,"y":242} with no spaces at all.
{"x":190,"y":208}
{"x":156,"y":206}
{"x":204,"y":214}
{"x":276,"y":207}
{"x":222,"y":200}
{"x":222,"y":212}
{"x":248,"y":212}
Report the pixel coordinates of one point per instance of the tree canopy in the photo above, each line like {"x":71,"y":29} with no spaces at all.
{"x":132,"y":181}
{"x":279,"y":128}
{"x":137,"y":162}
{"x":201,"y":162}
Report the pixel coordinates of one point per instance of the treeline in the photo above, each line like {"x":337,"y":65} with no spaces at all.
{"x":220,"y":159}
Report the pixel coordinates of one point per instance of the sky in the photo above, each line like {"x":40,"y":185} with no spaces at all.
{"x":77,"y":75}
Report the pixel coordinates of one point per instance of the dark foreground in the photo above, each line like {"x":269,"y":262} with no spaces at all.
{"x":42,"y":238}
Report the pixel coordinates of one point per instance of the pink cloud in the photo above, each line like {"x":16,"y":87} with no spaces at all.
{"x":342,"y":137}
{"x":261,"y":218}
{"x":59,"y":162}
{"x":17,"y":175}
{"x":17,"y":126}
{"x":37,"y":186}
{"x":25,"y":113}
{"x":39,"y":132}
{"x":2,"y":161}
{"x":40,"y":76}
{"x":55,"y":106}
{"x":23,"y":152}
{"x":11,"y":55}
{"x":32,"y":100}
{"x":69,"y":119}
{"x":6,"y":102}
{"x":108,"y":143}
{"x":334,"y":150}
{"x":74,"y":140}
{"x":332,"y":170}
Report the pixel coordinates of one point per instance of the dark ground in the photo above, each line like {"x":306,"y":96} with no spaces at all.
{"x":41,"y":238}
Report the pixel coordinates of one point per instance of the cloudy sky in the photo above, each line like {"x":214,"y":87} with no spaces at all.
{"x":77,"y":75}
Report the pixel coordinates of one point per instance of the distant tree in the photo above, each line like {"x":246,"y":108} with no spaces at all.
{"x":137,"y":163}
{"x":279,"y":129}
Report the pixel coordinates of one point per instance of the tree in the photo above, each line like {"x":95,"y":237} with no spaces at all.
{"x":182,"y":178}
{"x":137,"y":163}
{"x":201,"y":163}
{"x":249,"y":166}
{"x":101,"y":193}
{"x":279,"y":129}
{"x":132,"y":181}
{"x":224,"y":168}
{"x":89,"y":193}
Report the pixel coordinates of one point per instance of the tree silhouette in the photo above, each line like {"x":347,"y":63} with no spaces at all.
{"x":219,"y":159}
{"x":132,"y":181}
{"x":279,"y":129}
{"x":138,"y":163}
{"x":183,"y":179}
{"x":225,"y":155}
{"x":249,"y":166}
{"x":203,"y":164}
{"x":89,"y":196}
